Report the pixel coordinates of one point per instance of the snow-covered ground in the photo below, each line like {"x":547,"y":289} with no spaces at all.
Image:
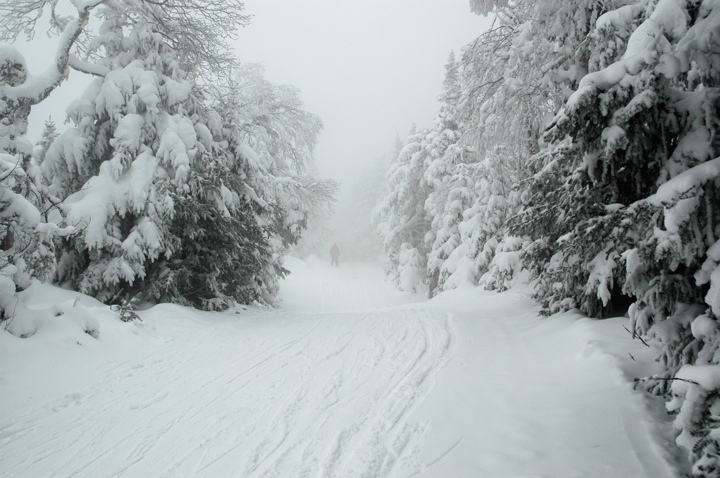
{"x":348,"y":379}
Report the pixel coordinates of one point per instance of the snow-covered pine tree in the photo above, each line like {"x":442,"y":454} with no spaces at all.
{"x":673,"y":271}
{"x":135,"y":154}
{"x":129,"y":153}
{"x":49,"y":134}
{"x":148,"y":155}
{"x":402,"y":220}
{"x":495,"y":253}
{"x":199,"y":39}
{"x":272,"y":136}
{"x":451,"y":191}
{"x":582,"y":218}
{"x":625,"y":125}
{"x":515,"y":76}
{"x":222,"y":250}
{"x":626,"y":197}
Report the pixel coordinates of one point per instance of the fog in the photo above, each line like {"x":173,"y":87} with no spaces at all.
{"x":369,"y":68}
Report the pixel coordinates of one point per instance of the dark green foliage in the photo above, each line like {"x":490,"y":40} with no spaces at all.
{"x":221,"y":256}
{"x":707,"y":430}
{"x":125,"y":311}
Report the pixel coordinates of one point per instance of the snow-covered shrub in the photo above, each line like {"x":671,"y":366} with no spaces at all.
{"x":506,"y":265}
{"x":411,"y":266}
{"x":70,"y":318}
{"x":125,"y":312}
{"x":696,"y":401}
{"x":458,"y":269}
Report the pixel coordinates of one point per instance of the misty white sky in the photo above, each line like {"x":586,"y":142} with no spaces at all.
{"x":369,"y":68}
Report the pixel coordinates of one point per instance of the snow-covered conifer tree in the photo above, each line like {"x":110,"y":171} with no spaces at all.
{"x":629,"y":134}
{"x":132,"y":147}
{"x":196,"y":36}
{"x":272,"y":136}
{"x":223,"y":252}
{"x":49,"y":135}
{"x":451,"y":189}
{"x":625,"y":198}
{"x":403,"y":222}
{"x":514,"y":77}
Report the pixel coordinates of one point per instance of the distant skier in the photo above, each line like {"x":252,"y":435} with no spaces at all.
{"x":334,"y":254}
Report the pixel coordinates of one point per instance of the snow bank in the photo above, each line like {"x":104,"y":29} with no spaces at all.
{"x":71,"y":316}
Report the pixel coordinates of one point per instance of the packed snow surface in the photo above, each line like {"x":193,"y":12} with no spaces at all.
{"x":348,"y":379}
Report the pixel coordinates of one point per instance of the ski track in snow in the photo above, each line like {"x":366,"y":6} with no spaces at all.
{"x":306,"y":395}
{"x":341,"y":383}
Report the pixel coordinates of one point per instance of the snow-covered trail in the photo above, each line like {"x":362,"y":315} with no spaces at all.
{"x":349,"y":379}
{"x":263,"y":393}
{"x":543,"y":397}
